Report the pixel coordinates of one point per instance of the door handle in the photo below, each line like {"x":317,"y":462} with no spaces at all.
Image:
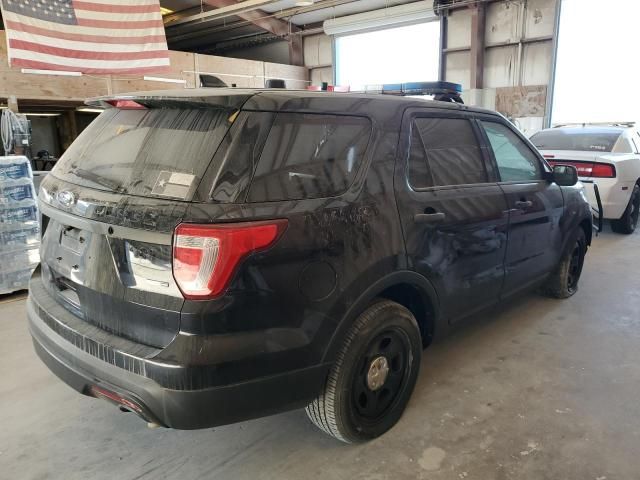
{"x":428,"y":217}
{"x":524,"y":204}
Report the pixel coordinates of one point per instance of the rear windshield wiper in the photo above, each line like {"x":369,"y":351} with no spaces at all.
{"x":97,"y":179}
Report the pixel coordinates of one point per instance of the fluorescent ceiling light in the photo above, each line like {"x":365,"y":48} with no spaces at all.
{"x":43,"y":114}
{"x":166,"y":80}
{"x":165,"y":11}
{"x":304,"y":3}
{"x":89,"y":110}
{"x":385,"y":17}
{"x":51,"y":72}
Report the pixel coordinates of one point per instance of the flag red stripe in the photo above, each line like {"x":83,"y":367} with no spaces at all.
{"x":20,"y":27}
{"x":89,"y":55}
{"x":102,"y":7}
{"x":90,"y":22}
{"x":21,"y":62}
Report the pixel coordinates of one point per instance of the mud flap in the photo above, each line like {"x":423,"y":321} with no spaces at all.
{"x":597,"y":214}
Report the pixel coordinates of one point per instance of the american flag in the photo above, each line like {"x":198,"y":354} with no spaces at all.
{"x":89,"y":36}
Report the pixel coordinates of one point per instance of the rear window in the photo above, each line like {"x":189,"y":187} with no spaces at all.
{"x":580,"y":140}
{"x":309,"y":156}
{"x":150,"y":152}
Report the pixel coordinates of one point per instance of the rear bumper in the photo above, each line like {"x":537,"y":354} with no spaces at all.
{"x":182,"y":408}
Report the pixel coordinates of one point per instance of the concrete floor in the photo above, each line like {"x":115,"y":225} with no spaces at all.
{"x":538,"y":389}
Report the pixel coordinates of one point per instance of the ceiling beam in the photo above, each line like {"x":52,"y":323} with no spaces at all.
{"x":228,"y":9}
{"x":193,"y":38}
{"x":261,"y":19}
{"x":257,"y":17}
{"x":190,"y":29}
{"x":216,"y":48}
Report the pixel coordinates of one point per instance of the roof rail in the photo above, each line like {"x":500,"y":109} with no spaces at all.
{"x":596,"y":124}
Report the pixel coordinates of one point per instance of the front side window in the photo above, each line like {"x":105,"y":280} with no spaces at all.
{"x":516,"y":161}
{"x":444,"y":151}
{"x":309,"y":156}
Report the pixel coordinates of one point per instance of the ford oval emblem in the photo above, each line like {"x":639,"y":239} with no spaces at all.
{"x":66,"y":198}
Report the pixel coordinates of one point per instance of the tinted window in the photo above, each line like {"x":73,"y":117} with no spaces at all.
{"x":234,"y":162}
{"x":586,"y":140}
{"x":309,"y":156}
{"x":157,"y":152}
{"x":516,"y":161}
{"x":444,"y":151}
{"x":419,"y":174}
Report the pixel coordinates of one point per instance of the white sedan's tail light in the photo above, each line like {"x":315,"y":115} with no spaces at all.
{"x":589,"y":169}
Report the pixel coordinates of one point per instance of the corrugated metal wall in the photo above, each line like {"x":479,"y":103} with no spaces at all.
{"x":518,"y":58}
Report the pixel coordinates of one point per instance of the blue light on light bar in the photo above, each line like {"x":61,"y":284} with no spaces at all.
{"x":444,"y":91}
{"x":441,"y":91}
{"x":422,"y":88}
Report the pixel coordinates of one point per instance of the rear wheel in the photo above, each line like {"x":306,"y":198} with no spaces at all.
{"x":370,"y":384}
{"x":629,"y":220}
{"x":563,"y":283}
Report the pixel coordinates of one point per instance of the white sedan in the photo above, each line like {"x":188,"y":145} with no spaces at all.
{"x":607,"y":155}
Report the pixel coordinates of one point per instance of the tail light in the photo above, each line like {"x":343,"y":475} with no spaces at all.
{"x":205,"y":257}
{"x":603,"y":170}
{"x":590,"y":169}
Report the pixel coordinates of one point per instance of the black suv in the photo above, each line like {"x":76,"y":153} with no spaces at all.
{"x":215,"y":255}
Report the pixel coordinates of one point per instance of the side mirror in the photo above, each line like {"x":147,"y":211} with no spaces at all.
{"x":565,"y":175}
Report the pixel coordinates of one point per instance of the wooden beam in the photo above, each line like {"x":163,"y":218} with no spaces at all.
{"x":175,"y":22}
{"x":73,"y":124}
{"x":259,"y":18}
{"x":296,"y":56}
{"x":478,"y":21}
{"x":272,"y":25}
{"x":234,"y":8}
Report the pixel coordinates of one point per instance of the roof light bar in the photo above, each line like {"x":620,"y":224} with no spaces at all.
{"x":442,"y":91}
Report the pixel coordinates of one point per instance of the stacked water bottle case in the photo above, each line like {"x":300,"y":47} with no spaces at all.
{"x":19,"y":228}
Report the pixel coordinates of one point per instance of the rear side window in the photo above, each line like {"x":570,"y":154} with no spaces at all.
{"x":309,"y":156}
{"x":516,"y":161}
{"x":150,"y":152}
{"x":585,"y":140}
{"x":444,"y":151}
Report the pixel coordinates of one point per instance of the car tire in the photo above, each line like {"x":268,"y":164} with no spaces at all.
{"x":369,"y":385}
{"x":629,"y":220}
{"x":563,"y":283}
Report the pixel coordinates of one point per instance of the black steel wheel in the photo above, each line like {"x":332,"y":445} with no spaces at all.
{"x":373,"y":377}
{"x":575,"y":268}
{"x":563,"y":283}
{"x":629,"y":221}
{"x":383,"y":371}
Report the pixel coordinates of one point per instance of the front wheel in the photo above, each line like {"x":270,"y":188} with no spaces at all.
{"x":370,"y":384}
{"x":563,"y":283}
{"x":629,"y":220}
